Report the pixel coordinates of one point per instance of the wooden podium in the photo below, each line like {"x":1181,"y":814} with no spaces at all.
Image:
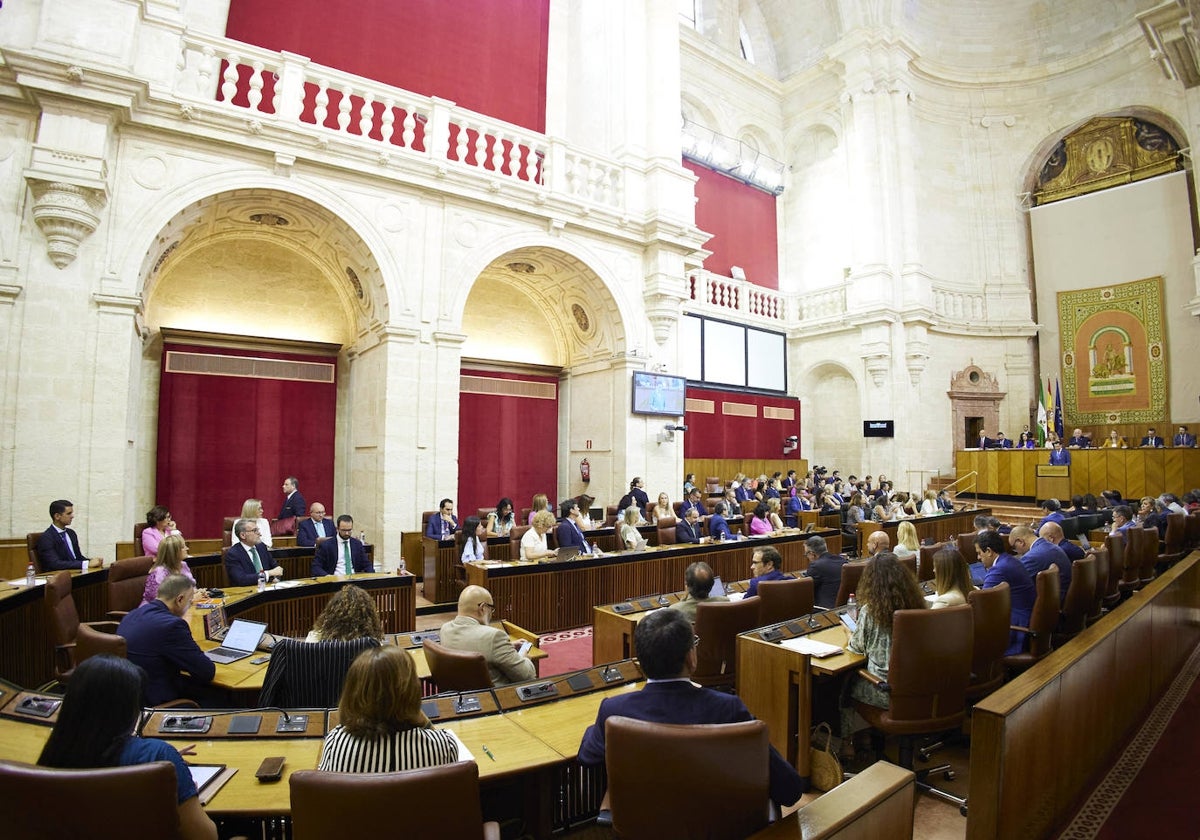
{"x":1053,"y":482}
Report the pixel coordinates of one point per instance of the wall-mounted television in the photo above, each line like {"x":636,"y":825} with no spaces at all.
{"x":879,"y":428}
{"x":657,"y":393}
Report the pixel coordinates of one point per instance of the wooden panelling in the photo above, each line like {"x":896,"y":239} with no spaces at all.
{"x":1134,"y":472}
{"x":937,"y":528}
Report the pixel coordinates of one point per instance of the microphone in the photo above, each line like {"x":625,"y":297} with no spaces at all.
{"x":184,"y":720}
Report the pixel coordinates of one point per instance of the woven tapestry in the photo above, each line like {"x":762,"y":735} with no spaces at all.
{"x":1114,"y":353}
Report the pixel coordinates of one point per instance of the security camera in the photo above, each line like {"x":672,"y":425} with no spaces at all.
{"x":793,"y":439}
{"x":670,"y":427}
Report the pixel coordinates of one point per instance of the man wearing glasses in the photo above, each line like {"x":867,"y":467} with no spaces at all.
{"x":470,"y":630}
{"x":248,"y":556}
{"x":765,"y":565}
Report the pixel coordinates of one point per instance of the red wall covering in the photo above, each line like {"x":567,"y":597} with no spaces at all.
{"x":742,"y":222}
{"x":719,"y":435}
{"x":486,"y":55}
{"x":507,"y":446}
{"x":225,"y":439}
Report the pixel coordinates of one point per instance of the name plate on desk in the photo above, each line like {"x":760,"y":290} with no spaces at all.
{"x":1053,"y":470}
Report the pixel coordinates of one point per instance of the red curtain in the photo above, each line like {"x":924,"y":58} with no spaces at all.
{"x":486,"y":55}
{"x":224,"y":439}
{"x":742,"y":222}
{"x":507,"y":446}
{"x":720,"y":435}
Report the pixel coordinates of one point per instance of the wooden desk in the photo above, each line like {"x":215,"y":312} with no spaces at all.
{"x":559,"y":595}
{"x":939,"y":528}
{"x":1135,"y":472}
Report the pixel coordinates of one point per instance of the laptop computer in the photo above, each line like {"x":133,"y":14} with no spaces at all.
{"x":718,"y":588}
{"x":240,"y":641}
{"x":568,"y":552}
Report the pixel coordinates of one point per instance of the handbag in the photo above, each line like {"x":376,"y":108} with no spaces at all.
{"x":826,"y":769}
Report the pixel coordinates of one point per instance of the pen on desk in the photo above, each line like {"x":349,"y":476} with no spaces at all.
{"x":190,"y":749}
{"x":489,"y":752}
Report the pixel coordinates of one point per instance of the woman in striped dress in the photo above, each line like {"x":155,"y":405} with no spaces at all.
{"x":382,"y":728}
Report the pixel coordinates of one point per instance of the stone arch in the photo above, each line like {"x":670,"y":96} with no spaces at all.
{"x":697,"y":112}
{"x":832,"y":412}
{"x":757,"y":138}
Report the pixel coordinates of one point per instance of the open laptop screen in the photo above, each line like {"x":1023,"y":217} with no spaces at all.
{"x":244,"y":635}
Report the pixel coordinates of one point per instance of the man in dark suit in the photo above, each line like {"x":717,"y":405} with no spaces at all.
{"x":825,"y":569}
{"x":569,"y":532}
{"x":444,"y":523}
{"x":718,"y":528}
{"x":1152,"y":440}
{"x":58,"y":546}
{"x":160,"y":643}
{"x":666,"y":650}
{"x":1182,"y":438}
{"x":1079,"y":440}
{"x":293,"y":503}
{"x":693,"y":501}
{"x":765,"y":564}
{"x":688,"y":529}
{"x":248,"y":556}
{"x":342,"y":556}
{"x":1060,"y":457}
{"x":984,"y":442}
{"x":314,"y":526}
{"x":1001,"y":442}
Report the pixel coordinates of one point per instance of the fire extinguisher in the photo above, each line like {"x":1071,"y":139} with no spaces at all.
{"x":585,"y":470}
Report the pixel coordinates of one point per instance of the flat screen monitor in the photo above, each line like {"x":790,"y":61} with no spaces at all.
{"x":879,"y":428}
{"x":657,"y":393}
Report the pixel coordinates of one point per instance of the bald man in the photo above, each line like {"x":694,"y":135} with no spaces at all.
{"x":1037,"y":554}
{"x":470,"y":630}
{"x":878,"y":541}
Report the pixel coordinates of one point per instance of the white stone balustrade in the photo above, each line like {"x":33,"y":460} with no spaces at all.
{"x":952,"y":305}
{"x":712,"y":292}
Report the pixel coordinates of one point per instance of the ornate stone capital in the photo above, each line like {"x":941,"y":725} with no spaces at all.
{"x":66,"y":214}
{"x":664,"y":298}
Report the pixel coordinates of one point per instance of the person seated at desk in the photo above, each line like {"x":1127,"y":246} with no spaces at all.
{"x":1078,"y":440}
{"x":293,"y":502}
{"x":745,"y":491}
{"x":444,"y":524}
{"x":698,"y":578}
{"x":248,"y":557}
{"x":758,"y":524}
{"x":381,"y":727}
{"x":944,"y":502}
{"x":1004,"y":568}
{"x":765,"y":564}
{"x":1052,"y":532}
{"x":159,"y":641}
{"x":661,"y":510}
{"x":159,"y":524}
{"x":951,"y":579}
{"x":1060,"y":457}
{"x":929,"y":505}
{"x":1152,"y":440}
{"x":342,"y":556}
{"x":1183,"y":438}
{"x":474,"y":540}
{"x":693,"y":501}
{"x":1026,"y":441}
{"x":171,"y":560}
{"x":718,"y":527}
{"x":1122,"y":521}
{"x":666,"y":649}
{"x":1037,"y":555}
{"x":533,"y":543}
{"x":907,"y":543}
{"x":984,"y":442}
{"x":585,"y":512}
{"x":825,"y":569}
{"x":1001,"y":442}
{"x":314,"y":526}
{"x":688,"y":529}
{"x":1054,"y":513}
{"x":1114,"y":441}
{"x":877,"y":542}
{"x":58,"y":546}
{"x":350,"y":614}
{"x":540,"y":502}
{"x":95,"y":727}
{"x":570,"y":531}
{"x":689,"y":484}
{"x":252,"y":509}
{"x":885,"y":586}
{"x":627,"y":531}
{"x":773,"y":508}
{"x":471,"y":630}
{"x":501,"y":520}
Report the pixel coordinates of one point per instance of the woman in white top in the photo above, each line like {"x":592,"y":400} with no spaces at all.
{"x":630,"y":536}
{"x":253,"y":509}
{"x":381,"y":726}
{"x":533,"y":543}
{"x":662,"y":509}
{"x":773,"y":514}
{"x":474,"y":540}
{"x":929,"y":505}
{"x":907,"y":543}
{"x":951,"y":579}
{"x":501,"y":520}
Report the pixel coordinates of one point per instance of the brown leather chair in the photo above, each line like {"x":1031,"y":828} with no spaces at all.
{"x":426,"y":515}
{"x":31,"y":540}
{"x":1191,"y":537}
{"x":1171,"y":551}
{"x":73,"y":641}
{"x":782,"y":600}
{"x":137,"y":534}
{"x":610,"y":516}
{"x":514,"y":541}
{"x":927,"y":681}
{"x":666,"y":530}
{"x":966,"y":546}
{"x":1124,"y":554}
{"x":1077,"y":604}
{"x":713,"y":485}
{"x":1116,"y":571}
{"x":718,"y":626}
{"x":910,"y":563}
{"x":456,"y":670}
{"x":728,"y":762}
{"x":678,"y":508}
{"x":1096,"y":611}
{"x":101,"y":802}
{"x":1145,"y":543}
{"x":851,"y":574}
{"x":992,"y":613}
{"x":925,"y":567}
{"x":227,"y":530}
{"x":127,"y":584}
{"x":438,"y":802}
{"x":1042,"y":621}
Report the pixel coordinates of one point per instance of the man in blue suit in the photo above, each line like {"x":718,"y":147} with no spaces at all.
{"x":569,"y":532}
{"x":1004,"y":568}
{"x":342,"y":556}
{"x":58,"y":546}
{"x":718,"y":528}
{"x":1054,"y":513}
{"x":1060,"y":457}
{"x":688,"y":529}
{"x":248,"y":556}
{"x":1182,"y":438}
{"x":666,"y":650}
{"x":293,"y":502}
{"x":1039,"y":554}
{"x":314,"y":526}
{"x":160,"y":643}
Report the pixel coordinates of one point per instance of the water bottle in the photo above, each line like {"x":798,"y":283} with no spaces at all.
{"x":262,"y":581}
{"x":595,"y":548}
{"x":83,"y":565}
{"x":852,"y":607}
{"x":30,"y":578}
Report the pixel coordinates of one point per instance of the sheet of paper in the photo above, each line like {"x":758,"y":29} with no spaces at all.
{"x":803,"y":644}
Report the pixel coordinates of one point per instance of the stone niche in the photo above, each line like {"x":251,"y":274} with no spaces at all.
{"x":973,"y":393}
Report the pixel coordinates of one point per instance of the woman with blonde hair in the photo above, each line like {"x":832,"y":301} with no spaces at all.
{"x":533,"y":543}
{"x":628,"y":532}
{"x":773,"y":508}
{"x":907,"y":543}
{"x":929,"y":505}
{"x":350,"y":614}
{"x":253,"y":509}
{"x":171,"y":560}
{"x":661,"y":510}
{"x":540,"y":502}
{"x":381,"y":726}
{"x":951,"y":579}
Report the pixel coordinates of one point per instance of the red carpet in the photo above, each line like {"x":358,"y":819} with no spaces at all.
{"x":570,"y":650}
{"x":1149,"y":791}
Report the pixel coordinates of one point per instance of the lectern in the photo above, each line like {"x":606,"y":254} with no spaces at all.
{"x":1053,"y":482}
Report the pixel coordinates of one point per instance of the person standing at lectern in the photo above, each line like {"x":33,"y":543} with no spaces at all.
{"x":1060,"y":457}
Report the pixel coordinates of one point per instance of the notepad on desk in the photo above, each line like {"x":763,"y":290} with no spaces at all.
{"x":812,"y":647}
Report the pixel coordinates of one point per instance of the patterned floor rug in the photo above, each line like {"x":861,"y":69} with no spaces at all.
{"x":567,"y":651}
